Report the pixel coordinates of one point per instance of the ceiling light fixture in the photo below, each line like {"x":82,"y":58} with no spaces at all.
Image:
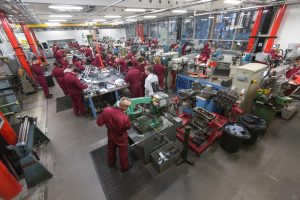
{"x":131,"y":20}
{"x":57,"y":20}
{"x":112,"y":16}
{"x":99,"y":20}
{"x":52,"y":24}
{"x":135,"y":10}
{"x":234,"y":2}
{"x":60,"y":16}
{"x":65,"y":7}
{"x":133,"y":16}
{"x":150,"y":16}
{"x":179,"y":11}
{"x":211,"y":17}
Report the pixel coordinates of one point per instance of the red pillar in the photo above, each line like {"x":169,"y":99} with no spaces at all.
{"x":98,"y":48}
{"x":255,"y":30}
{"x":9,"y":186}
{"x":30,"y":41}
{"x":36,"y":44}
{"x":275,"y":27}
{"x":15,"y":44}
{"x":7,"y":132}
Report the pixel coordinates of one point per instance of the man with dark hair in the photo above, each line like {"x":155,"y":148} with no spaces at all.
{"x":38,"y":71}
{"x":150,"y":80}
{"x":64,"y":62}
{"x":75,"y":88}
{"x":117,"y":124}
{"x":134,"y":77}
{"x":58,"y":73}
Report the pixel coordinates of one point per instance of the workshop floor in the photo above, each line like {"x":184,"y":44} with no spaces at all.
{"x":268,"y":170}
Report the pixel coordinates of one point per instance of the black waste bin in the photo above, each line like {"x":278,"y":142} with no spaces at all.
{"x":232,"y":136}
{"x":50,"y":81}
{"x":255,"y":125}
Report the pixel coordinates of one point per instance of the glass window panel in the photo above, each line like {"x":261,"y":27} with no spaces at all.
{"x":202,"y":27}
{"x":153,"y":31}
{"x":246,"y":21}
{"x":224,"y":27}
{"x":187,"y":29}
{"x":240,"y":46}
{"x":130,"y":31}
{"x":163,"y":31}
{"x":172,"y":31}
{"x":222,"y":44}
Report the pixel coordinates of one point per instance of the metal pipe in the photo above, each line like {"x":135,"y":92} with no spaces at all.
{"x":115,"y":3}
{"x":27,"y":130}
{"x":20,"y":132}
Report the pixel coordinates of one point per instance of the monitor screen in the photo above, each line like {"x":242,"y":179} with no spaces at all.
{"x":1,"y":122}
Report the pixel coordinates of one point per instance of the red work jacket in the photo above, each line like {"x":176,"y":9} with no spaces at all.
{"x":116,"y":122}
{"x":159,"y":70}
{"x":73,"y":84}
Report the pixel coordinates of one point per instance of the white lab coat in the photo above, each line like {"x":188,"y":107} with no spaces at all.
{"x":148,"y":84}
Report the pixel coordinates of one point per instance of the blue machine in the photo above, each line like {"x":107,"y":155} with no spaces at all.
{"x":185,"y":82}
{"x":30,"y":136}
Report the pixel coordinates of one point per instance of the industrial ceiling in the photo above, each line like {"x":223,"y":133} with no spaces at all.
{"x":114,"y":11}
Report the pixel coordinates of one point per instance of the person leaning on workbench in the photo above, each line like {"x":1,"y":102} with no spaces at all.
{"x":38,"y":71}
{"x":117,"y":124}
{"x":75,"y":89}
{"x":64,"y":62}
{"x":109,"y":60}
{"x":78,"y":63}
{"x":151,"y":82}
{"x":133,"y":78}
{"x":88,"y":52}
{"x":58,"y":73}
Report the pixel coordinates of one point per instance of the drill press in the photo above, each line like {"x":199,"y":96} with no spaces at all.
{"x":146,"y":112}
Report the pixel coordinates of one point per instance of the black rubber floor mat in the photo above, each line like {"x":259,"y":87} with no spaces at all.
{"x":117,"y":185}
{"x":63,"y":103}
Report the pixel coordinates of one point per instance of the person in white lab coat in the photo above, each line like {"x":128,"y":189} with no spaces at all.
{"x":150,"y":81}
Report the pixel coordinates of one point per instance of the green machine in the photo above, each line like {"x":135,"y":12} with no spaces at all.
{"x":146,"y":112}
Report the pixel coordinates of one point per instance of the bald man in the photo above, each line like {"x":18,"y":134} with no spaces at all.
{"x":117,"y":124}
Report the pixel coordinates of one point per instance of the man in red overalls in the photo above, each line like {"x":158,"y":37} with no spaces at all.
{"x":75,"y":88}
{"x":58,"y":73}
{"x":64,"y":62}
{"x":134,"y":77}
{"x":117,"y":124}
{"x":38,"y":71}
{"x":88,"y":52}
{"x":159,"y":70}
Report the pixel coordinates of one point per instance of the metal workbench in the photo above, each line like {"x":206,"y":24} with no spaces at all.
{"x":89,"y":99}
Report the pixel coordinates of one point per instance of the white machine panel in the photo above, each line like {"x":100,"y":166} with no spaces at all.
{"x":247,"y":73}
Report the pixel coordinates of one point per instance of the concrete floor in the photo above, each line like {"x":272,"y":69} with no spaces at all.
{"x":267,"y":170}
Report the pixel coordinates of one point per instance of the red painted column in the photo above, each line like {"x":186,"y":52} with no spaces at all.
{"x":9,"y":186}
{"x":36,"y":44}
{"x":15,"y":44}
{"x":255,"y":30}
{"x":275,"y":28}
{"x":30,"y":41}
{"x":98,"y":48}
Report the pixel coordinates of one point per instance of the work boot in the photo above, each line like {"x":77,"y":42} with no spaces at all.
{"x":130,"y":164}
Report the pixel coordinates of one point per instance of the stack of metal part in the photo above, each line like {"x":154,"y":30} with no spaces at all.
{"x":226,"y":99}
{"x":101,"y":81}
{"x":201,"y":119}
